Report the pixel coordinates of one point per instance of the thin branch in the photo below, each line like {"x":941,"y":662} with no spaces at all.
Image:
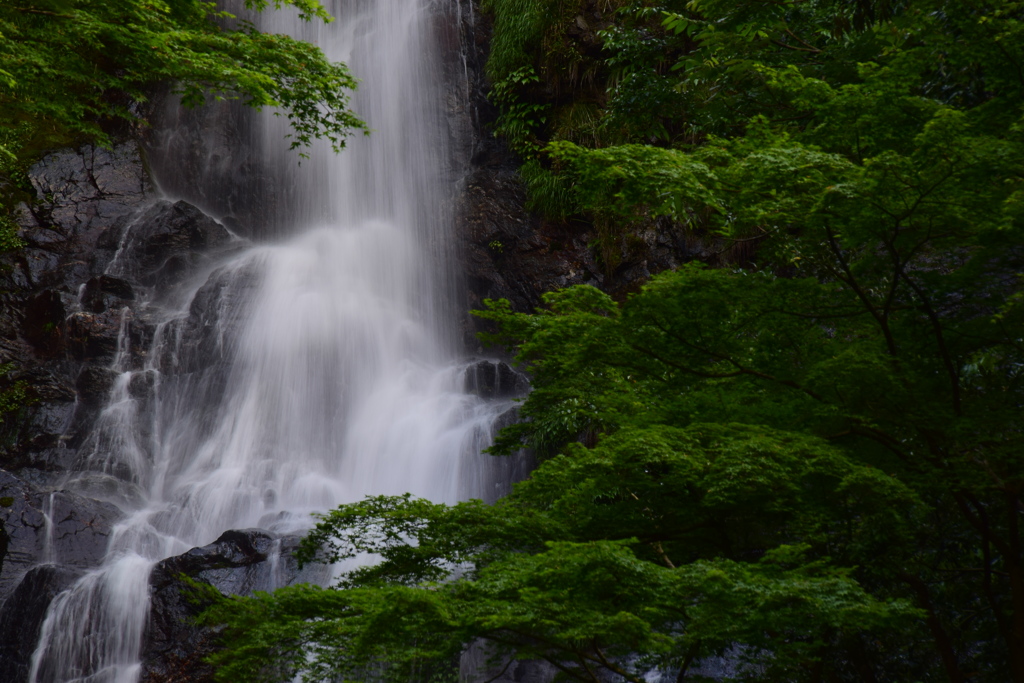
{"x":850,"y":280}
{"x":793,"y":47}
{"x":947,"y":361}
{"x":503,"y":670}
{"x":962,"y":500}
{"x":30,"y":10}
{"x":801,"y":40}
{"x":661,"y":553}
{"x":942,"y":640}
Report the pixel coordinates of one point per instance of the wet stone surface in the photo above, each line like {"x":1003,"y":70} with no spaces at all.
{"x":74,"y":322}
{"x":22,"y":616}
{"x":168,"y":242}
{"x":496,"y":379}
{"x":239,"y":562}
{"x":55,"y":527}
{"x":100,"y":245}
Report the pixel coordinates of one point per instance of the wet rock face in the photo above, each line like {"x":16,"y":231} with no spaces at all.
{"x":84,"y":200}
{"x":213,"y":319}
{"x":496,"y":379}
{"x":168,"y":242}
{"x":104,"y":292}
{"x":58,"y":527}
{"x":206,"y":153}
{"x":80,"y":196}
{"x":75,"y":316}
{"x":22,"y":615}
{"x":239,"y":562}
{"x":44,"y":314}
{"x":47,"y":541}
{"x":100,"y":247}
{"x":507,"y":252}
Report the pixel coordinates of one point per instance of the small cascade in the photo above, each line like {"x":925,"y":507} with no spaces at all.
{"x":48,"y":556}
{"x":92,"y":631}
{"x":284,"y":376}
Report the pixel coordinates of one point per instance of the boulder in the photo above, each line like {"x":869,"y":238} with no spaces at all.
{"x":97,"y":337}
{"x":94,"y":383}
{"x":239,"y":562}
{"x":168,"y":242}
{"x":213,"y":320}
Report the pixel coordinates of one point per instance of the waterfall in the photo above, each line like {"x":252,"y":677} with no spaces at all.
{"x":302,"y":367}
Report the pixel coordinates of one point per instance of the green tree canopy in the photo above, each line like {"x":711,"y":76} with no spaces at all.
{"x":813,"y":458}
{"x":608,"y":561}
{"x":68,"y":67}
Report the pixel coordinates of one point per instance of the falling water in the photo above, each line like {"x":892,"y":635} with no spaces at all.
{"x":297,"y":373}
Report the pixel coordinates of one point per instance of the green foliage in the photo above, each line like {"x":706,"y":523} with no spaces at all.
{"x":519,"y":29}
{"x":9,"y":238}
{"x":67,"y":67}
{"x":853,"y":78}
{"x":574,"y":568}
{"x":628,"y":180}
{"x":519,"y":119}
{"x":875,"y":353}
{"x":640,"y":99}
{"x":816,"y":457}
{"x":548,"y":193}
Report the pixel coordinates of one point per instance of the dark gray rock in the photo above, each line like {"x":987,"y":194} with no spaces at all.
{"x":103,"y":292}
{"x":94,"y":383}
{"x":33,"y":436}
{"x":206,"y":155}
{"x":94,"y":337}
{"x":213,"y":322}
{"x":22,"y":615}
{"x":102,"y":255}
{"x":84,"y":200}
{"x":238,"y":562}
{"x":58,"y":527}
{"x":82,"y":193}
{"x":495,"y":379}
{"x":44,"y":318}
{"x":42,"y":266}
{"x":93,"y":387}
{"x":169,"y":241}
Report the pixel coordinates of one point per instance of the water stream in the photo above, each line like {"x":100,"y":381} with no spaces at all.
{"x":325,"y":364}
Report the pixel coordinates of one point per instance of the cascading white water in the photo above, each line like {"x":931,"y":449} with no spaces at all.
{"x":325,"y":368}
